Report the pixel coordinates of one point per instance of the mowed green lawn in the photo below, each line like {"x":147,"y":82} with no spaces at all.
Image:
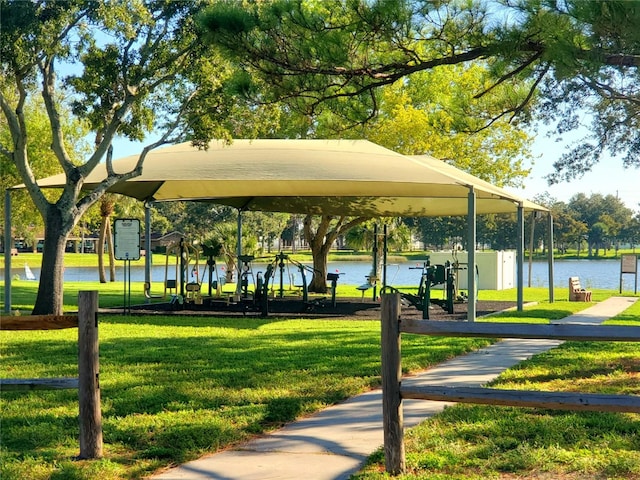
{"x":175,"y":388}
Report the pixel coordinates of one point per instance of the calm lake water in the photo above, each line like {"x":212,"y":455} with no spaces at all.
{"x":604,"y":274}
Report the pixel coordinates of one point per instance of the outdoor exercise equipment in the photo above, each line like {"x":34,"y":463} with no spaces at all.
{"x":371,"y":282}
{"x":333,"y":278}
{"x":211,"y":250}
{"x":187,"y":262}
{"x":192,"y":293}
{"x":264,"y":281}
{"x":246,"y":271}
{"x":457,"y":266}
{"x":374,"y":277}
{"x":283,"y":262}
{"x":171,"y":284}
{"x":261,"y":296}
{"x":147,"y":292}
{"x":431,"y":275}
{"x":280,"y":260}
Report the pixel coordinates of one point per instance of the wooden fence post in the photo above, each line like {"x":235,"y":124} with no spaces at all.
{"x":89,"y":376}
{"x":392,"y":418}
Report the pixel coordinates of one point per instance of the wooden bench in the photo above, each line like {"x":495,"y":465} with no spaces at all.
{"x":576,"y":292}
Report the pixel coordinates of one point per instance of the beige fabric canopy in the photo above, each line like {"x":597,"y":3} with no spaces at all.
{"x":448,"y":169}
{"x":335,"y":177}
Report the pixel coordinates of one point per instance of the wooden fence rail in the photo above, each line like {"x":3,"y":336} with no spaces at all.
{"x":590,"y":333}
{"x":13,"y":384}
{"x":393,"y":392}
{"x":39,"y":322}
{"x":88,"y":380}
{"x":519,"y":398}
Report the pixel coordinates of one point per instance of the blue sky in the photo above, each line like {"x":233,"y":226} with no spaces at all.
{"x":607,"y":178}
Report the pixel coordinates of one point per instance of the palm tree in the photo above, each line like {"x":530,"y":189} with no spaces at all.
{"x":107,"y":206}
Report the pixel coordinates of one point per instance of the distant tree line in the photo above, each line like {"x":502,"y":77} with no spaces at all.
{"x":586,"y":224}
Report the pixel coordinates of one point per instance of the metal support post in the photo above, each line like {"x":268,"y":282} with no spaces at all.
{"x":7,"y":252}
{"x":471,"y":248}
{"x":520,"y":258}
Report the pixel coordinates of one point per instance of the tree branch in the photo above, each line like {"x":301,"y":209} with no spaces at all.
{"x":112,"y":177}
{"x":510,"y":75}
{"x":609,"y":92}
{"x":12,"y":121}
{"x":386,"y":74}
{"x":520,"y":107}
{"x":48,"y":93}
{"x":622,"y":60}
{"x":19,"y":135}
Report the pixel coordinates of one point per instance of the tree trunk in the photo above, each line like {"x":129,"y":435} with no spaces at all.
{"x":49,"y":299}
{"x":320,"y":243}
{"x":107,"y":206}
{"x":319,"y":281}
{"x":319,"y":251}
{"x":112,"y":255}
{"x":101,"y":237}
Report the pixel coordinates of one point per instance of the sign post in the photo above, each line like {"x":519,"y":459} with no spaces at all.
{"x":126,"y":233}
{"x":629,"y":264}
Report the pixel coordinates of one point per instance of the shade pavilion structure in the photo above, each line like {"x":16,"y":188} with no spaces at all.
{"x":330,"y":177}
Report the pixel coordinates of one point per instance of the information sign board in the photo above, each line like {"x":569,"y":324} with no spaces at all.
{"x":126,"y":235}
{"x":629,"y":264}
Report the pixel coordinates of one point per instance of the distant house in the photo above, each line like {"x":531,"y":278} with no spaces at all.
{"x":159,"y":244}
{"x":74,"y":244}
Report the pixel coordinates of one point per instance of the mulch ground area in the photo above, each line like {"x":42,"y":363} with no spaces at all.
{"x":438,"y":313}
{"x":349,"y":308}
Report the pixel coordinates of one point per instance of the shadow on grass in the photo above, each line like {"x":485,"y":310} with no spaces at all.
{"x":584,"y":362}
{"x":239,"y":323}
{"x":507,"y":440}
{"x":551,"y":314}
{"x":174,"y":399}
{"x":38,"y":432}
{"x":628,"y":319}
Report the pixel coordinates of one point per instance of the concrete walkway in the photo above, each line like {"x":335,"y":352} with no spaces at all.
{"x":334,"y":443}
